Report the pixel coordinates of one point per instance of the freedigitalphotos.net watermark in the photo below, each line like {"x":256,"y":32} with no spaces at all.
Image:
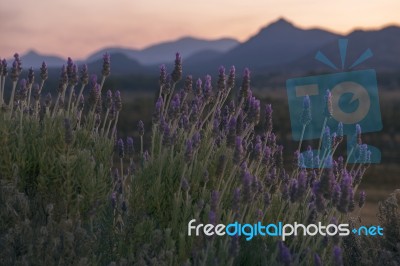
{"x":336,"y":103}
{"x":280,"y":230}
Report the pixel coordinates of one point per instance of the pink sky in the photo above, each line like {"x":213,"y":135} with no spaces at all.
{"x":76,"y":28}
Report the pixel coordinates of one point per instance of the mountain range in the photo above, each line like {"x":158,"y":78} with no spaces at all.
{"x":278,"y":47}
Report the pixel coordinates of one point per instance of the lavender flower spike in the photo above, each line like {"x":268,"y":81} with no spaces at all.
{"x":284,"y":254}
{"x":177,"y":72}
{"x":306,"y":114}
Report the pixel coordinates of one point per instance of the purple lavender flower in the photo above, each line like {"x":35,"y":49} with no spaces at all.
{"x":361,"y":199}
{"x":196,"y":139}
{"x":285,"y":192}
{"x":84,"y":75}
{"x":231,"y":78}
{"x":257,"y":150}
{"x":254,"y":110}
{"x":336,"y":194}
{"x":207,"y":88}
{"x":346,"y":190}
{"x":293,"y":190}
{"x":326,"y":139}
{"x":231,"y":135}
{"x":163,"y":75}
{"x":4,"y":67}
{"x":246,"y":183}
{"x":117,"y":101}
{"x":106,"y":65}
{"x":177,"y":72}
{"x":308,"y":158}
{"x":140,"y":128}
{"x":212,"y":217}
{"x":328,"y":104}
{"x":234,"y":246}
{"x":23,"y":90}
{"x":199,"y":88}
{"x":337,"y":256}
{"x":245,"y":88}
{"x":158,"y":109}
{"x":214,"y":200}
{"x":94,"y":95}
{"x":284,"y":254}
{"x":268,"y":117}
{"x":306,"y":117}
{"x":240,"y":123}
{"x":121,"y":150}
{"x":130,"y":150}
{"x":16,"y":68}
{"x":221,"y":84}
{"x":31,"y":76}
{"x":302,"y":184}
{"x":236,"y":200}
{"x":63,"y":79}
{"x":327,"y":183}
{"x":185,"y":184}
{"x":189,"y":151}
{"x":188,"y":87}
{"x":317,"y":260}
{"x":113,"y":199}
{"x":238,"y":153}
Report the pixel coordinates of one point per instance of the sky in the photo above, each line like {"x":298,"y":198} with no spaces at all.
{"x":77,"y":28}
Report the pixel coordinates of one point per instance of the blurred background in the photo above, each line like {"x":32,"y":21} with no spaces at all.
{"x":277,"y":40}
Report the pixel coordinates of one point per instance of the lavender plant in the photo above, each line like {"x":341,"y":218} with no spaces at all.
{"x":207,"y":161}
{"x":73,"y":189}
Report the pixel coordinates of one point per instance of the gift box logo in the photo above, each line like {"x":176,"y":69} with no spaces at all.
{"x":335,"y":106}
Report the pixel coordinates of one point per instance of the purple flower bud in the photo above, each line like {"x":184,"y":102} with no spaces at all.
{"x":308,"y":158}
{"x":246,"y":183}
{"x":231,"y":79}
{"x":293,"y":190}
{"x":326,"y":139}
{"x":361,"y":199}
{"x":185,"y":184}
{"x":141,"y":128}
{"x":212,"y":217}
{"x":117,"y":101}
{"x":4,"y":67}
{"x":84,"y":75}
{"x":16,"y":68}
{"x":327,"y":183}
{"x":245,"y":89}
{"x":106,"y":65}
{"x":121,"y":151}
{"x":221,"y":84}
{"x":199,"y":89}
{"x":346,"y":190}
{"x":317,"y":260}
{"x":238,"y":153}
{"x":336,"y":194}
{"x":236,"y":200}
{"x":23,"y":90}
{"x":234,"y":246}
{"x":328,"y":104}
{"x":63,"y":79}
{"x":337,"y":256}
{"x":285,"y":192}
{"x":196,"y":139}
{"x":358,"y":134}
{"x":163,"y":75}
{"x":48,"y":100}
{"x":207,"y":88}
{"x":189,"y":151}
{"x":306,"y":117}
{"x":268,"y":117}
{"x":188,"y":87}
{"x":113,"y":199}
{"x":177,"y":72}
{"x":284,"y":254}
{"x":302,"y":184}
{"x":130,"y":150}
{"x":214,"y":200}
{"x":31,"y":76}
